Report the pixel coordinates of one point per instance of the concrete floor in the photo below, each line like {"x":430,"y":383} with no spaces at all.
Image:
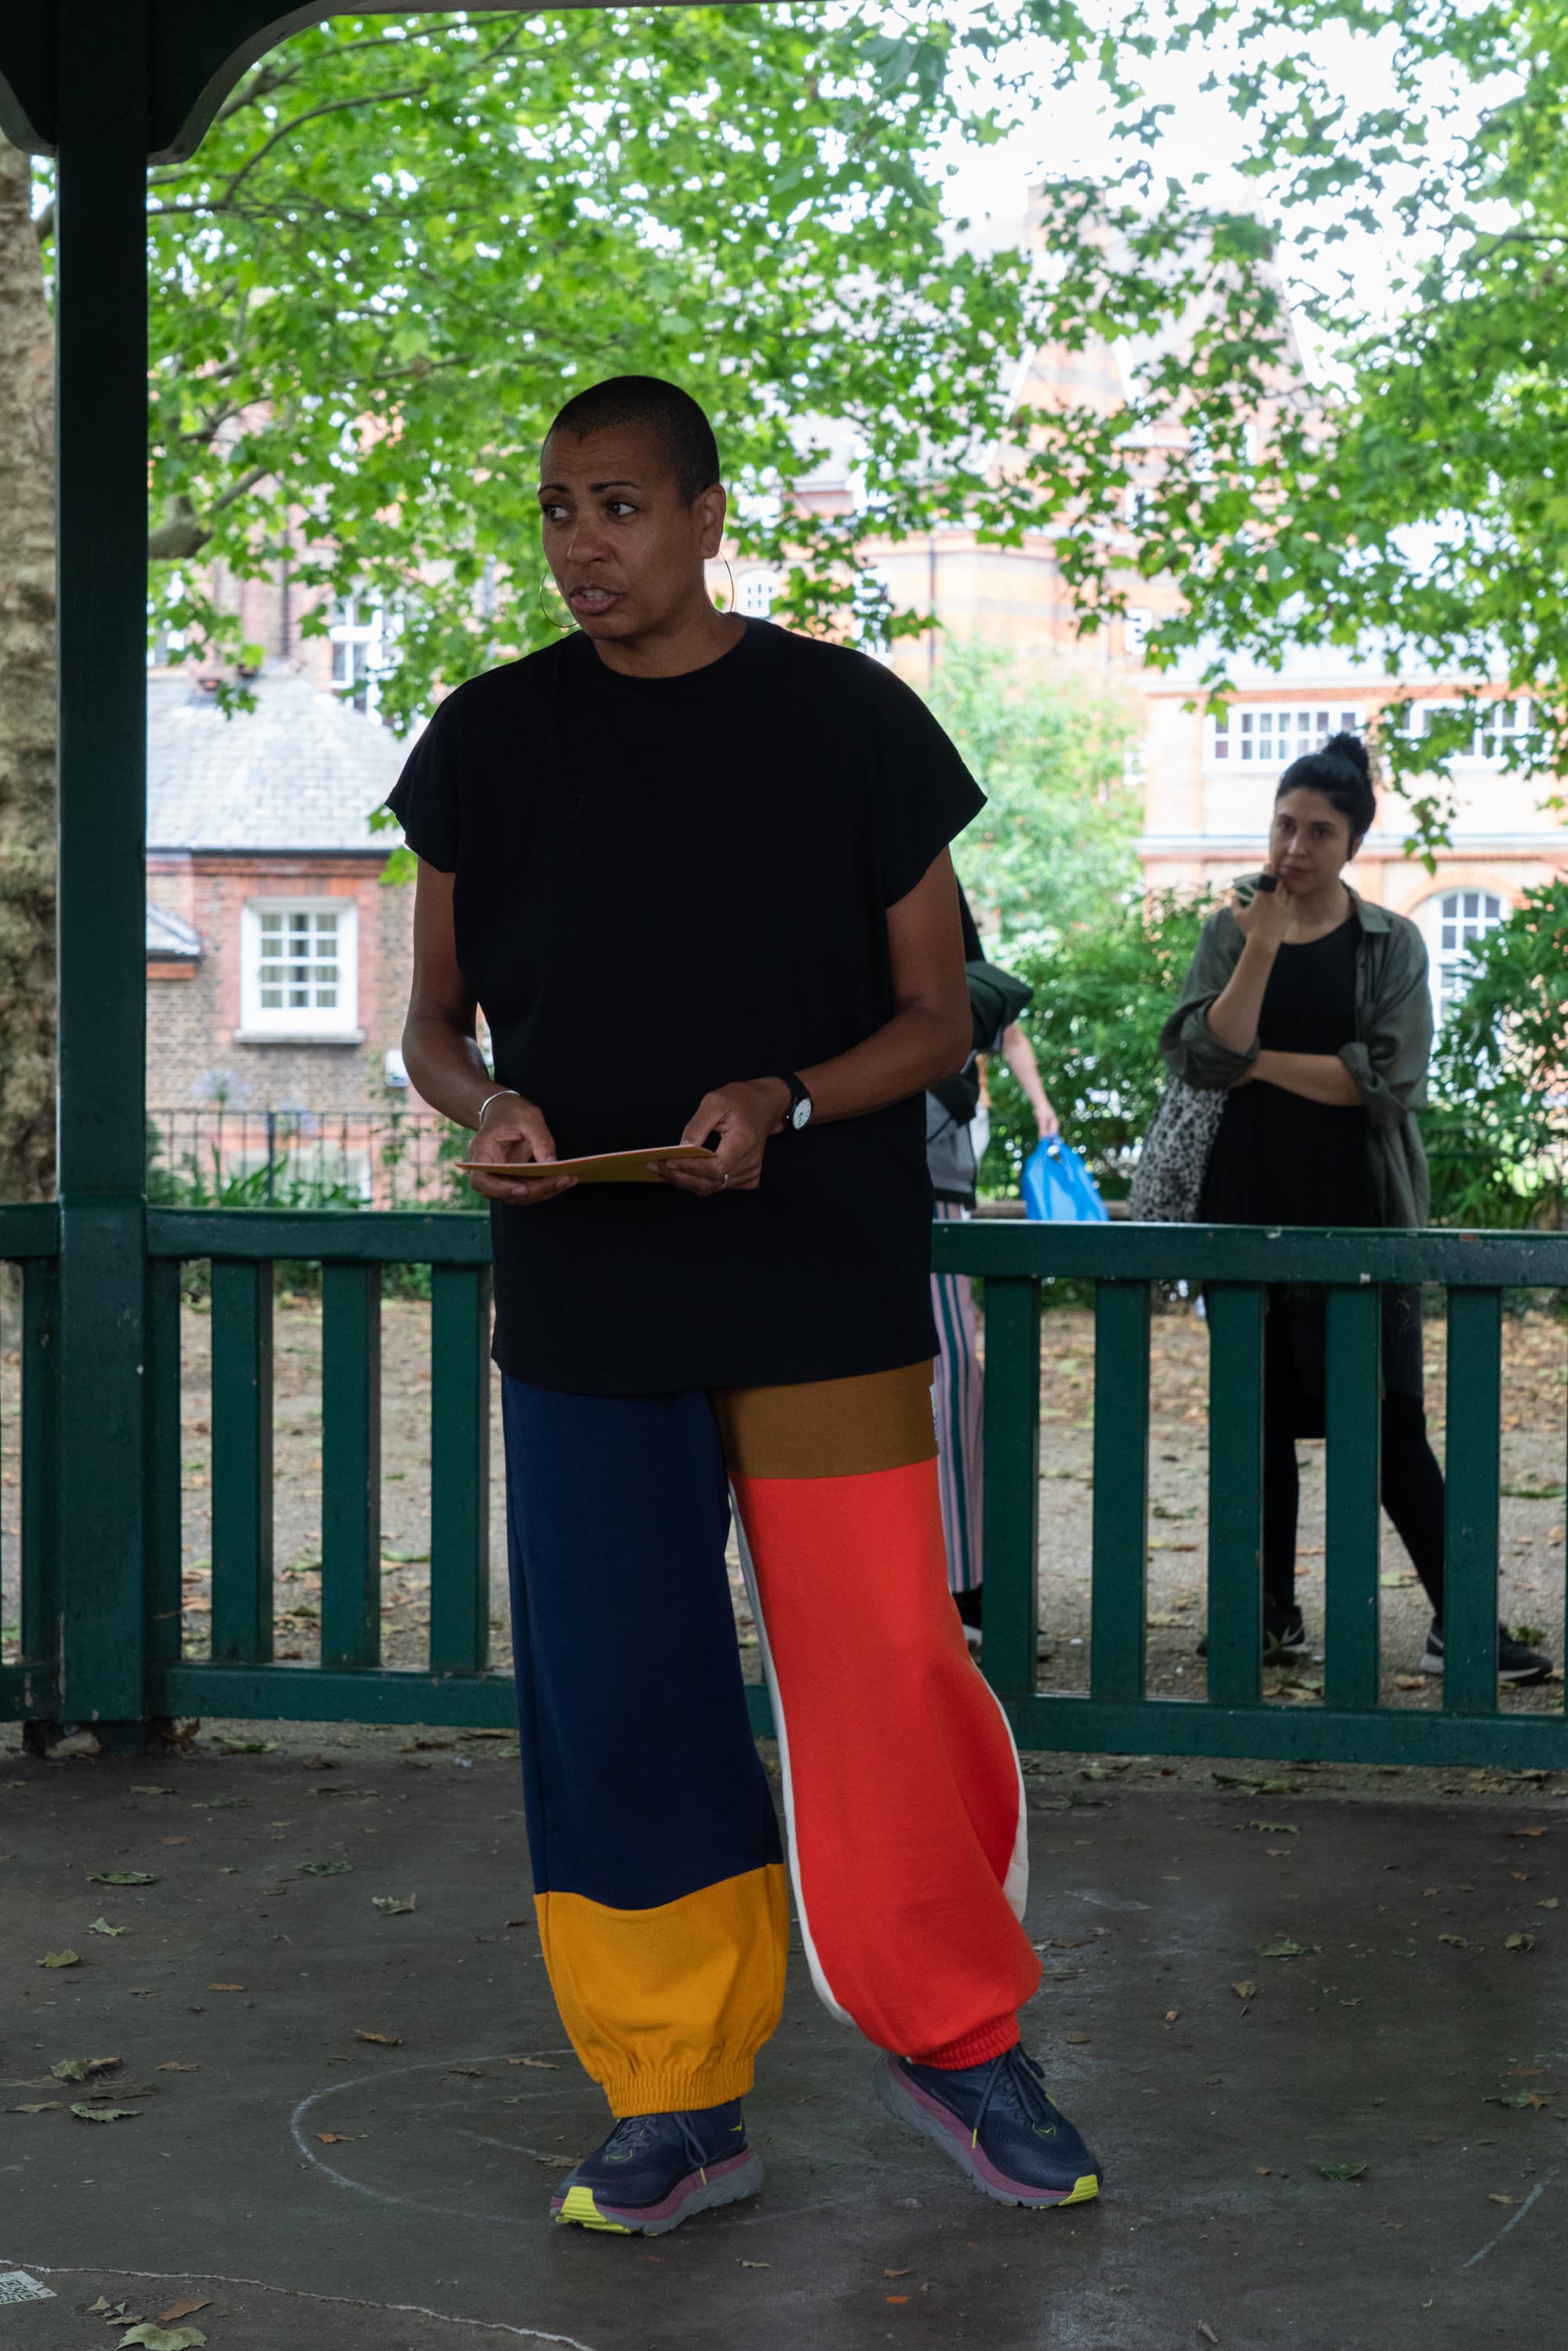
{"x":420,"y":2222}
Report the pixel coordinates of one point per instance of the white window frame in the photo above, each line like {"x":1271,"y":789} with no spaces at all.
{"x":363,"y":651}
{"x":336,"y":1024}
{"x":1505,"y":719}
{"x":1270,"y":735}
{"x":1448,"y":934}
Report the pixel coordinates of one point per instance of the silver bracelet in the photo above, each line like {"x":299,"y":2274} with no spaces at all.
{"x":494,"y":1097}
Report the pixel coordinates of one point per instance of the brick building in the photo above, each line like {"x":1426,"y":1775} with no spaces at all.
{"x":278,"y":958}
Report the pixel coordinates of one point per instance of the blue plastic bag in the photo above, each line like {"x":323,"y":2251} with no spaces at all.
{"x":1057,"y":1188}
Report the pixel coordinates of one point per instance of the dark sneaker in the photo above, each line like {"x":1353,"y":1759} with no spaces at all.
{"x":1283,"y":1637}
{"x":654,"y":2171}
{"x":997,"y":2125}
{"x":1515,"y":1663}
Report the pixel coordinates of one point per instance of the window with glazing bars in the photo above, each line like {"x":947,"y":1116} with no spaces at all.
{"x":1273,"y":736}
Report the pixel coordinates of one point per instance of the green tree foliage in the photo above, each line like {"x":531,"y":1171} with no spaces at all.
{"x":1101,"y":994}
{"x":406,"y":240}
{"x":1498,"y":1132}
{"x":1414,"y":506}
{"x":1048,"y":746}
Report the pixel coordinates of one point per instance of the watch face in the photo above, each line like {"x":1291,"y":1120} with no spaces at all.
{"x":801,"y":1115}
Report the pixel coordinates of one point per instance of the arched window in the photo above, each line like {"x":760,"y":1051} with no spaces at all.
{"x":1454,"y":922}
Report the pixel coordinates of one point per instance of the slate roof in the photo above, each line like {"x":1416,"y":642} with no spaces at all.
{"x":301,"y":771}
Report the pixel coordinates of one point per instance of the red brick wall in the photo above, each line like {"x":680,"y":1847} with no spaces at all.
{"x":193,"y":1057}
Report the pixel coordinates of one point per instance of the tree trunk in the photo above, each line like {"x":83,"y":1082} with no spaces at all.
{"x":26,"y":701}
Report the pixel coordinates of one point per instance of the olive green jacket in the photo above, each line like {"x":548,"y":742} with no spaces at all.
{"x":1388,"y":1057}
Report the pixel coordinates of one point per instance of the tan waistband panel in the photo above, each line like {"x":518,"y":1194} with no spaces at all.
{"x":829,"y":1428}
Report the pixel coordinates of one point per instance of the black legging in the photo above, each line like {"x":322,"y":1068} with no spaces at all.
{"x":1412,"y":1495}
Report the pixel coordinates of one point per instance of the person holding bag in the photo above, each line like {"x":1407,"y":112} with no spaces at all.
{"x":1310,"y":1008}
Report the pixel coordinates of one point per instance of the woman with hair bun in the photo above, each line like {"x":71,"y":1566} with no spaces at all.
{"x":1311,"y":1008}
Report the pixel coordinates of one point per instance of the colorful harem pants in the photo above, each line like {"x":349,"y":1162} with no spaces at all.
{"x":658,"y":1872}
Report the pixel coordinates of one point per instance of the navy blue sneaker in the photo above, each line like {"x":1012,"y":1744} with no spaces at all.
{"x":997,"y":2125}
{"x":654,"y":2170}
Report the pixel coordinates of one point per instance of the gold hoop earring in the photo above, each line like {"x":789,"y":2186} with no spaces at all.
{"x":724,"y":560}
{"x":553,"y":617}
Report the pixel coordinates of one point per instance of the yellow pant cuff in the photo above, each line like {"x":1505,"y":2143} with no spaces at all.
{"x":675,"y":2094}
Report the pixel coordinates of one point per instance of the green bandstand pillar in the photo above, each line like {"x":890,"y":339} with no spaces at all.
{"x":100,"y":66}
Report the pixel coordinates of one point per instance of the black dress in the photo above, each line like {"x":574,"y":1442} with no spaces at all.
{"x":1279,"y":1159}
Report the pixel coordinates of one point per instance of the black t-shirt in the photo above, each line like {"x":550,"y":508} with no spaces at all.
{"x":668,"y":884}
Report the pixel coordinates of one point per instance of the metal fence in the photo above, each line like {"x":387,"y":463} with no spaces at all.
{"x":68,"y":1654}
{"x":224,"y":1157}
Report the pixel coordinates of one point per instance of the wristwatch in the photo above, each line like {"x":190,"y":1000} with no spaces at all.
{"x":798,"y":1113}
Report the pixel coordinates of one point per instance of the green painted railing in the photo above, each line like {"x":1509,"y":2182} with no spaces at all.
{"x":71,"y":1652}
{"x":1235,"y":1263}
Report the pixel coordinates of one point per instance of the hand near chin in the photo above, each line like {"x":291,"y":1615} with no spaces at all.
{"x":1266,"y":914}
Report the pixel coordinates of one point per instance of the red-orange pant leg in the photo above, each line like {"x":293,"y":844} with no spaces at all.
{"x":900,"y":1778}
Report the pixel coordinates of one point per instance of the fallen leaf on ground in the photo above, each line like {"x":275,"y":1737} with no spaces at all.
{"x":382,"y":2040}
{"x":756,"y":2265}
{"x":1172,"y":2015}
{"x":389,"y":1905}
{"x":1520,"y":1833}
{"x":1520,"y":2099}
{"x":1340,"y":2170}
{"x":557,"y":2162}
{"x":519,"y":1922}
{"x":1549,"y":1902}
{"x":1245,"y":1989}
{"x":177,"y":1840}
{"x":1206,"y":2331}
{"x":335,"y":2138}
{"x":39,"y":2107}
{"x":475,"y":2072}
{"x":163,"y":2338}
{"x":143,"y":1790}
{"x":102,"y":1927}
{"x":1078,"y":2037}
{"x":226,"y":1987}
{"x":886,"y":2297}
{"x":319,"y":1763}
{"x":106,"y":2113}
{"x":1499,"y":2200}
{"x":1284,"y":1949}
{"x":544,"y":2064}
{"x":187,"y":2306}
{"x":69,"y":2069}
{"x":1409,"y":1681}
{"x":174,"y":2066}
{"x":898,"y":2272}
{"x":1519,"y":1942}
{"x":1457,"y":1939}
{"x":1274,"y":1828}
{"x":121,"y":1878}
{"x":324,"y":1868}
{"x":66,"y":1958}
{"x":1525,"y":2072}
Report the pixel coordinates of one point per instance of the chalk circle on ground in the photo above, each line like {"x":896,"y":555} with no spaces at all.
{"x":497,"y":2140}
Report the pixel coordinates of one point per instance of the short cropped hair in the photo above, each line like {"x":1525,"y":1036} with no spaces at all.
{"x":686,"y":438}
